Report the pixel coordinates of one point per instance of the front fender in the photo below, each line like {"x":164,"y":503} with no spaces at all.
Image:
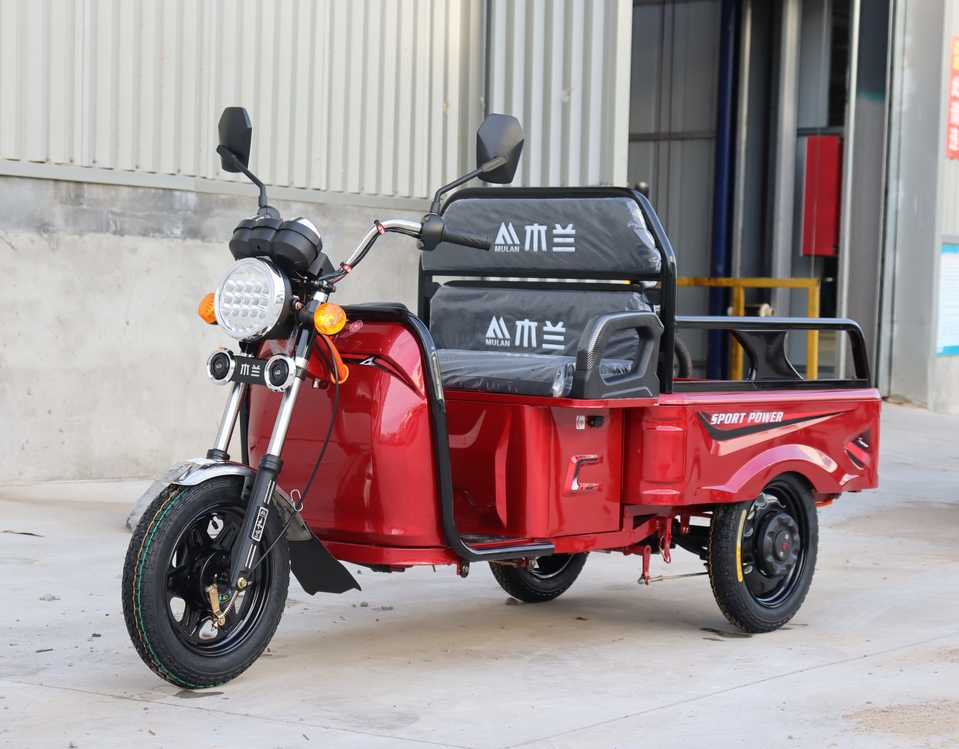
{"x":198,"y":470}
{"x":311,"y":563}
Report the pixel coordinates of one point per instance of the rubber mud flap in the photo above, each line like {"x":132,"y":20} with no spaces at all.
{"x":317,"y":570}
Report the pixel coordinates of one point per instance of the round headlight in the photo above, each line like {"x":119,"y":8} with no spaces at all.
{"x":252,"y":298}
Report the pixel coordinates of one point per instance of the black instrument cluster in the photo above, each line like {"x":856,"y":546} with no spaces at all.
{"x":294,"y":245}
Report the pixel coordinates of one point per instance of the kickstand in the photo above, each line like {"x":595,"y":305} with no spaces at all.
{"x":647,"y":550}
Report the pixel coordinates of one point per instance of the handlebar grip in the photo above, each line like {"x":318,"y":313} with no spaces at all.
{"x":466,"y":238}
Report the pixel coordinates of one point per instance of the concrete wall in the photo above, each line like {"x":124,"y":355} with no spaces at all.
{"x":102,"y":354}
{"x":921,"y":206}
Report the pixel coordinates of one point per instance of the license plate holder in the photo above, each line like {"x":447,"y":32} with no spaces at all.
{"x":249,"y":370}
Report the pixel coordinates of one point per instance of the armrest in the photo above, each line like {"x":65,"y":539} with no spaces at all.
{"x":641,"y":381}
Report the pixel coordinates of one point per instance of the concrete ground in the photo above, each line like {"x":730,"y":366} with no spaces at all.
{"x":871,"y":660}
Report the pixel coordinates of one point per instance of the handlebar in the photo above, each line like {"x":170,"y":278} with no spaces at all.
{"x":466,"y":238}
{"x":430,"y":232}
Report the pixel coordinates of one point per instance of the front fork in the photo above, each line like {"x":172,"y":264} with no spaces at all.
{"x":270,"y":463}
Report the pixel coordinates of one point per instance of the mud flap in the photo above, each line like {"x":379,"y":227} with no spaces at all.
{"x":317,"y":570}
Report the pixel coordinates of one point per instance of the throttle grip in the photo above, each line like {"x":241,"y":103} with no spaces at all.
{"x":466,"y":238}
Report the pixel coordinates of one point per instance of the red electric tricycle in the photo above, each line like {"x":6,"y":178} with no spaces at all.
{"x":527,"y":414}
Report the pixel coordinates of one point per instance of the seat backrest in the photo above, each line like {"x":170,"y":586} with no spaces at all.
{"x":542,"y":233}
{"x":524,"y":319}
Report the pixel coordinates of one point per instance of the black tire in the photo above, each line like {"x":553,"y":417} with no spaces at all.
{"x":543,"y":578}
{"x":682,"y":361}
{"x":762,"y":555}
{"x":180,"y":546}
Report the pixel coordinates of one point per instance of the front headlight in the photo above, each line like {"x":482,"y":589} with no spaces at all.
{"x":252,"y":299}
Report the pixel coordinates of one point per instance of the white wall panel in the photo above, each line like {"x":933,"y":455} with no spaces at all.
{"x":374,"y":97}
{"x":557,"y":65}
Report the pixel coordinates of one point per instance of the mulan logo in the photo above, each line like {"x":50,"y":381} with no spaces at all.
{"x":506,"y":239}
{"x":536,"y":238}
{"x":497,"y":334}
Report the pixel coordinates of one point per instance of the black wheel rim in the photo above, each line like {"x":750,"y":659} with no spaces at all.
{"x":774,"y":545}
{"x":546,"y":568}
{"x":201,"y":557}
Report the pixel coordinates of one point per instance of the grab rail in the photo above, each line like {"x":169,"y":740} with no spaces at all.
{"x":739,"y":286}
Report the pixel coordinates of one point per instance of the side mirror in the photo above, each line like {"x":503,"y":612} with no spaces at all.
{"x":236,"y":134}
{"x":499,"y":144}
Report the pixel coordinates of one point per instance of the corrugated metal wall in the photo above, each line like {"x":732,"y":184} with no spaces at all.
{"x":370,"y":97}
{"x":562,"y":68}
{"x":673,"y":120}
{"x":375,"y":97}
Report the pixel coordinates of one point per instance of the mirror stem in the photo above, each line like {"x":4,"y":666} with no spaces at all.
{"x":228,"y":154}
{"x":487,"y":167}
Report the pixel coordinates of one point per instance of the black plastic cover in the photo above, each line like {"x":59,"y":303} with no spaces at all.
{"x":517,"y":374}
{"x":240,"y":243}
{"x":527,"y":321}
{"x":261,"y":238}
{"x":568,"y":237}
{"x":295,"y":246}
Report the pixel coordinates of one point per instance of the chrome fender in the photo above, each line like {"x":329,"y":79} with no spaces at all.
{"x":198,"y":470}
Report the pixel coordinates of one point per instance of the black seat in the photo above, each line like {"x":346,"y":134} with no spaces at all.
{"x":564,"y":335}
{"x":521,"y":339}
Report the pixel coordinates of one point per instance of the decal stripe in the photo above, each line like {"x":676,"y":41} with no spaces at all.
{"x":727,"y":434}
{"x":739,"y":548}
{"x":382,"y":364}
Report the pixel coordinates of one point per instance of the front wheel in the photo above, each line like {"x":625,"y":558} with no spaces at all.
{"x":180,"y":556}
{"x":541,"y":579}
{"x":762,"y":554}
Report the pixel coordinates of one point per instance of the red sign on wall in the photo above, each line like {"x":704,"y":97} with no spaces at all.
{"x":952,"y":132}
{"x":820,"y":226}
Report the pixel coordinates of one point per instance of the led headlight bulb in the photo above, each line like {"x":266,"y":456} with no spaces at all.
{"x":251,"y":299}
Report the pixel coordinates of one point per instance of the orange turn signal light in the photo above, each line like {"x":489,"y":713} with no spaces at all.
{"x":329,"y":318}
{"x":205,"y":310}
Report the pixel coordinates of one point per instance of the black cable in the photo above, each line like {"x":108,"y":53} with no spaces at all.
{"x":280,"y":535}
{"x":331,"y":363}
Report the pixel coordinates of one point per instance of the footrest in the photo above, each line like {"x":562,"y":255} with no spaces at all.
{"x":488,"y":547}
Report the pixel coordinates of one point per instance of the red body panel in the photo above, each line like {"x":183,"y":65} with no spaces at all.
{"x":675,"y":456}
{"x":527,"y":471}
{"x":377,"y":482}
{"x":582,"y":474}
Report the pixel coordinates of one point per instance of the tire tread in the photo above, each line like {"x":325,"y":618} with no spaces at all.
{"x":731,"y":595}
{"x":520,"y":584}
{"x":139,"y":611}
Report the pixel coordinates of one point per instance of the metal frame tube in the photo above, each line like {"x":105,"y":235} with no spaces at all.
{"x":742,"y":137}
{"x":283,"y":418}
{"x":723,"y":181}
{"x":784,"y":164}
{"x":230,"y":413}
{"x":845,"y":211}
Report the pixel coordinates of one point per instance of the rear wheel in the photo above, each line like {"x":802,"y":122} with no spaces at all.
{"x":682,"y":361}
{"x":542,"y":579}
{"x":182,"y":547}
{"x":762,"y":554}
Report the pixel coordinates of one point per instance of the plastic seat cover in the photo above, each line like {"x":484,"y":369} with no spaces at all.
{"x":520,"y":374}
